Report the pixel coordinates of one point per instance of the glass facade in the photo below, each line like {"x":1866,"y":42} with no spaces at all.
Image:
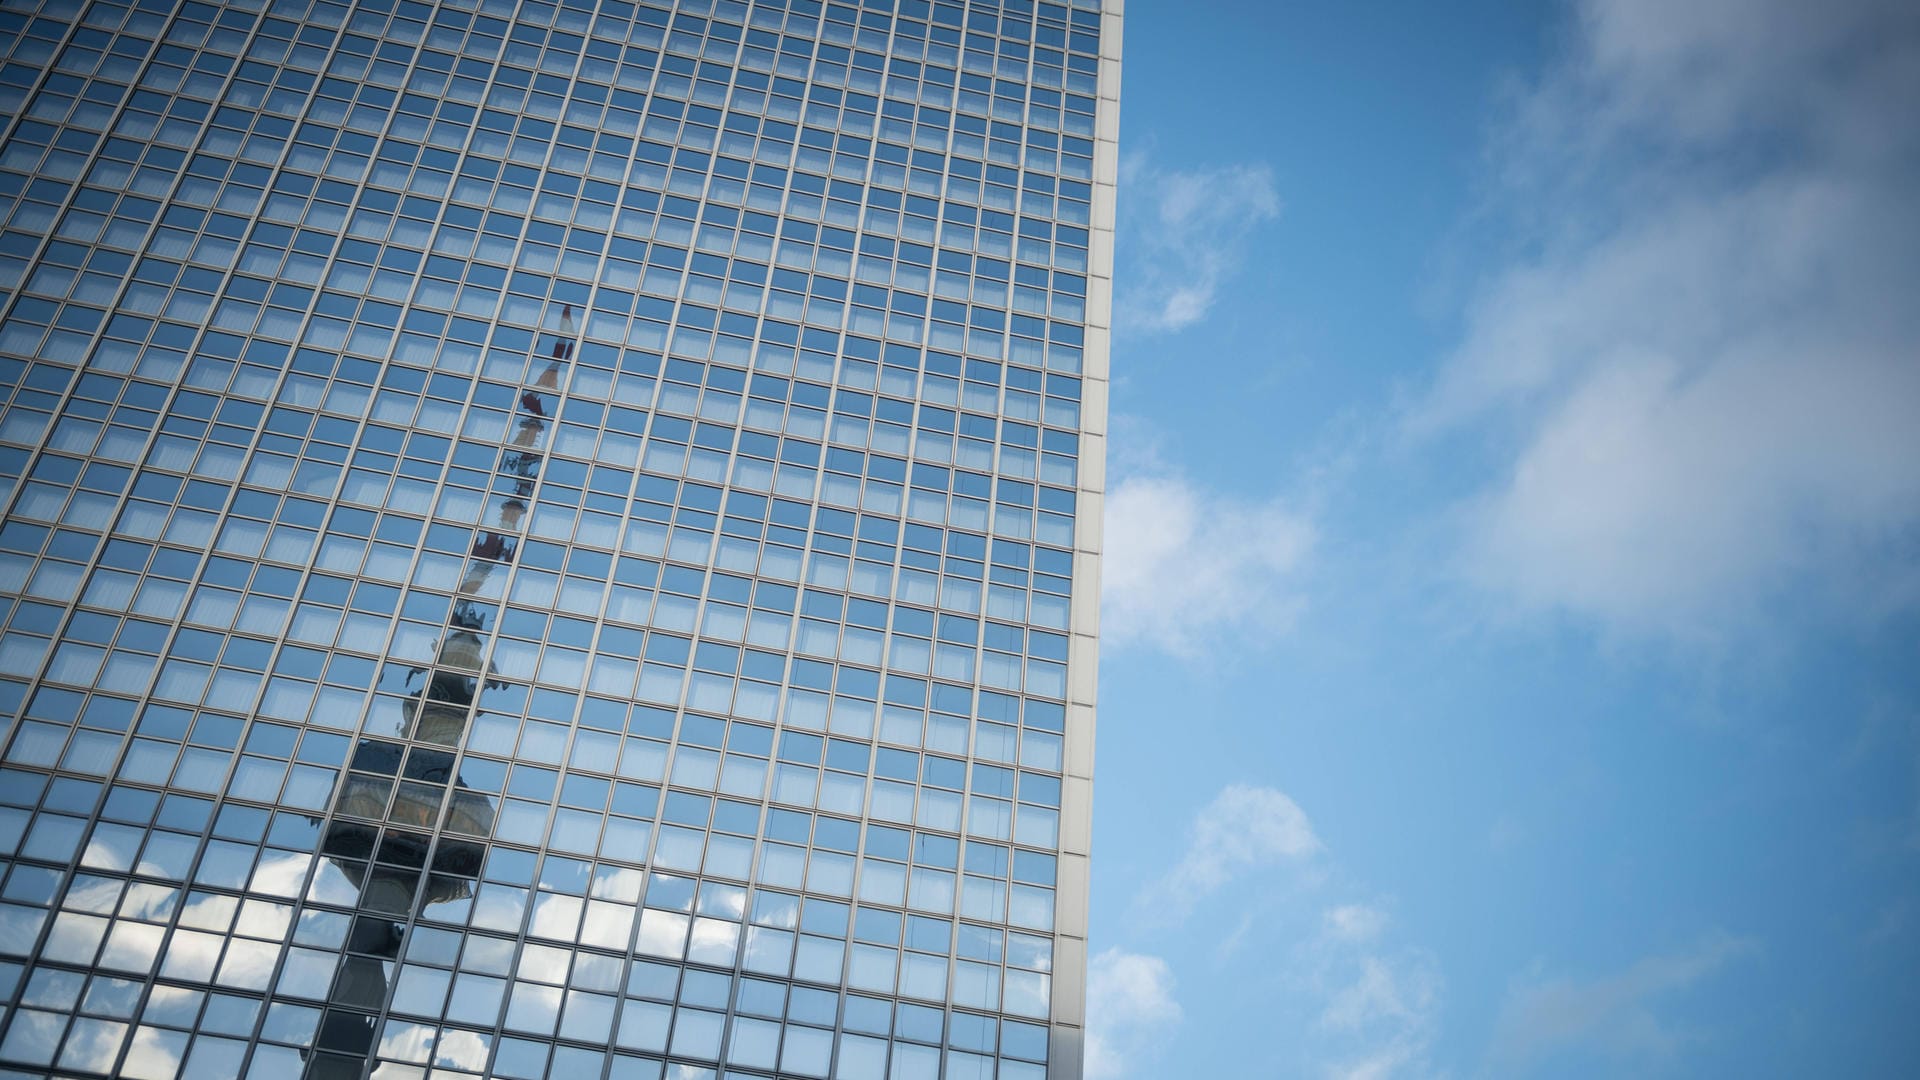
{"x":550,"y":539}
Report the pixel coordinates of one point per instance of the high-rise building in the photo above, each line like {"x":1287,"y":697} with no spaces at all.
{"x":550,"y":539}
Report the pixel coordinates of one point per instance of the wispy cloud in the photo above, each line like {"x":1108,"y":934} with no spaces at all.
{"x":1185,"y":566}
{"x":1353,"y":922}
{"x":1244,"y":828}
{"x":1381,"y":1000}
{"x":1612,"y":1015}
{"x":1187,"y":231}
{"x":1354,"y":1002}
{"x":1709,"y":358}
{"x":1130,"y":1011}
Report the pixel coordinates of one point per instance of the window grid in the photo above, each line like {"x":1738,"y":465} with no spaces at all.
{"x":236,"y":521}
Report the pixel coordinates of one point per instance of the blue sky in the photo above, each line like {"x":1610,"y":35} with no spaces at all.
{"x":1511,"y":594}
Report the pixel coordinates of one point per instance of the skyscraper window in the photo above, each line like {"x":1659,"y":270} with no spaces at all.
{"x":550,"y":539}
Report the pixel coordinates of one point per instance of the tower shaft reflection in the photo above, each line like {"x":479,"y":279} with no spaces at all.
{"x":407,"y":834}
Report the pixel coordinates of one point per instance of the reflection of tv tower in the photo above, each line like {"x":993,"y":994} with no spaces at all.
{"x":402,"y":817}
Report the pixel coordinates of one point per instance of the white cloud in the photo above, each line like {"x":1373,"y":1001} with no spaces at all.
{"x":1244,"y":828}
{"x":1187,"y":231}
{"x":1353,"y":922}
{"x":1380,"y":1003}
{"x":1344,"y":999}
{"x":1710,"y":358}
{"x":1183,"y":567}
{"x":1376,"y":993}
{"x":1612,"y":1014}
{"x":1130,"y":1011}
